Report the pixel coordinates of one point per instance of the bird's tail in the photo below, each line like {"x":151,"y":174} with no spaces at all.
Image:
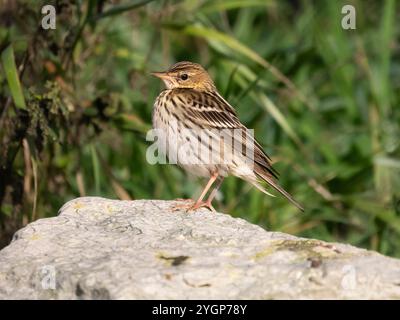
{"x":276,"y":186}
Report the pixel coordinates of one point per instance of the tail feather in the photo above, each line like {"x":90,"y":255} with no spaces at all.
{"x":277,"y":187}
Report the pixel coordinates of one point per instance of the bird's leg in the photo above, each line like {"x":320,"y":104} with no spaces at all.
{"x":214,"y":192}
{"x":207,"y":187}
{"x":207,"y":203}
{"x":199,"y":203}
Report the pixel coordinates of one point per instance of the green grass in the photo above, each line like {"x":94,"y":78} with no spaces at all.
{"x":323,"y":101}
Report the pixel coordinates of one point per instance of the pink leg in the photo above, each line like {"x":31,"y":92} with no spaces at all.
{"x":207,"y":187}
{"x":199,"y":203}
{"x":215,"y":190}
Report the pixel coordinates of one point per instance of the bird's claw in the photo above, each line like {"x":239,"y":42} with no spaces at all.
{"x":185,"y":205}
{"x":202,"y":204}
{"x":191,"y":206}
{"x":184,"y":200}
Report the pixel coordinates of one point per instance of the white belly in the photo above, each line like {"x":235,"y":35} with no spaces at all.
{"x":181,"y":146}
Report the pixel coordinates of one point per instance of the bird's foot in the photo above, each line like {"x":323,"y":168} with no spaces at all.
{"x":189,"y":205}
{"x":202,"y":204}
{"x":185,"y":204}
{"x":183,"y":199}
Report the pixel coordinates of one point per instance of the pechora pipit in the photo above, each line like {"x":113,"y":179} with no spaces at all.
{"x":191,"y":105}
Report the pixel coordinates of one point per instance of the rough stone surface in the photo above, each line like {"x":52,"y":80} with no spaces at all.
{"x":100,"y":249}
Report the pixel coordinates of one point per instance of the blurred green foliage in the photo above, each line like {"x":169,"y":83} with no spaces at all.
{"x":75,"y":106}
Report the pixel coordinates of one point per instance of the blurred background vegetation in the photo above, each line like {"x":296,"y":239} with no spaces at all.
{"x":75,"y":106}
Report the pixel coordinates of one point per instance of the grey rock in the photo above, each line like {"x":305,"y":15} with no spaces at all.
{"x":109,"y":249}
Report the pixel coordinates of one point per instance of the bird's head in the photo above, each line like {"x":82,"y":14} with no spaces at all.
{"x":186,"y":75}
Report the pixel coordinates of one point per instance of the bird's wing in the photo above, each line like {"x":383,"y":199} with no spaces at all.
{"x":210,"y":110}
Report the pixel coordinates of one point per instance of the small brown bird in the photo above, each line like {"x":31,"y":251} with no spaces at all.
{"x":191,"y":105}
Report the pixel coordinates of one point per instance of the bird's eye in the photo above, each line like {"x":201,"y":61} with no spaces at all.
{"x":184,"y":76}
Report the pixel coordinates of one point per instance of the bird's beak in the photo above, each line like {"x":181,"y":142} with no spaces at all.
{"x":161,"y":75}
{"x":166,"y":77}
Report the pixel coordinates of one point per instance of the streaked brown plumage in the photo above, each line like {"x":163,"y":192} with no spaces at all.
{"x":191,"y":101}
